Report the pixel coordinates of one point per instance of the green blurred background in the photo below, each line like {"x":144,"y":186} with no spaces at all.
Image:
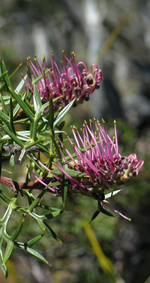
{"x":116,"y":36}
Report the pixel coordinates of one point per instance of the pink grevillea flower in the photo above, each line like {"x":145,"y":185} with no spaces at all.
{"x":97,"y":155}
{"x":73,"y":82}
{"x":97,"y":162}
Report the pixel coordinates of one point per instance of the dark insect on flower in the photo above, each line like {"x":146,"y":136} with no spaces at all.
{"x":72,"y":83}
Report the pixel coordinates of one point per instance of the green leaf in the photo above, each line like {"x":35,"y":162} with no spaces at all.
{"x":4,"y":197}
{"x":64,"y":189}
{"x":4,"y":118}
{"x":82,"y":150}
{"x":1,"y":146}
{"x":37,"y":165}
{"x":22,"y":104}
{"x":60,"y":132}
{"x":106,"y":212}
{"x":4,"y":69}
{"x":44,"y":226}
{"x":30,"y":143}
{"x":8,"y":251}
{"x":39,"y":220}
{"x":12,"y":162}
{"x":51,"y":232}
{"x":3,"y":75}
{"x":61,"y":115}
{"x":1,"y":242}
{"x":28,"y":103}
{"x":6,"y":215}
{"x":56,"y":146}
{"x":16,"y":110}
{"x":3,"y":105}
{"x":97,"y":212}
{"x":34,"y":240}
{"x":31,"y":251}
{"x":16,"y":70}
{"x":3,"y":266}
{"x":112,"y":193}
{"x":33,"y":204}
{"x":11,"y":116}
{"x":17,"y":232}
{"x":44,"y":106}
{"x":34,"y":81}
{"x":22,"y":154}
{"x":39,"y":144}
{"x":53,"y":214}
{"x":51,"y":114}
{"x":101,"y":209}
{"x":50,"y":208}
{"x":37,"y":79}
{"x":36,"y":201}
{"x":12,"y":135}
{"x":61,"y":125}
{"x":21,"y":85}
{"x":37,"y":100}
{"x":71,"y":172}
{"x":74,"y":173}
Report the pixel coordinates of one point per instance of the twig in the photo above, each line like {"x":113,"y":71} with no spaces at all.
{"x":15,"y":148}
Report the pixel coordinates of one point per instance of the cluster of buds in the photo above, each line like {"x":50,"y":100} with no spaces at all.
{"x":73,"y":83}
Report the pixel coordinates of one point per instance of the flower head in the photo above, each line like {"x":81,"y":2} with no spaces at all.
{"x":97,"y":155}
{"x":74,"y":82}
{"x":94,"y":167}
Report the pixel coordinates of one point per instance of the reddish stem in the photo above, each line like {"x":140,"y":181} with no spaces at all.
{"x":17,"y":186}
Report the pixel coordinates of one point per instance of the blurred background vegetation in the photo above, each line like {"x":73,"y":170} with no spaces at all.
{"x":116,"y":36}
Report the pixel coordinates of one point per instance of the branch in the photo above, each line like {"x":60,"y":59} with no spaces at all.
{"x":19,"y":186}
{"x":15,"y":148}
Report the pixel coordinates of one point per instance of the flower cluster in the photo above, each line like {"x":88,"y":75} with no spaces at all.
{"x":74,"y":82}
{"x":97,"y":163}
{"x":97,"y":160}
{"x":97,"y":155}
